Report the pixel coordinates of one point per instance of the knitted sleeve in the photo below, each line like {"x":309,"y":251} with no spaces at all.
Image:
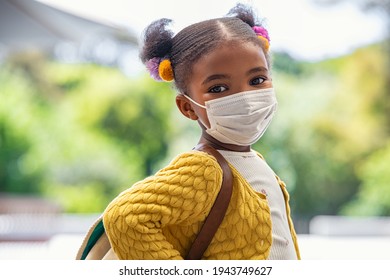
{"x":182,"y":192}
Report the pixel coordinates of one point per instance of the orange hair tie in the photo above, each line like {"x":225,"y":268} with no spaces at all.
{"x":165,"y":70}
{"x":265,"y":41}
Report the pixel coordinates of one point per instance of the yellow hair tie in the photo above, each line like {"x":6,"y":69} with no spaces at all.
{"x":165,"y":70}
{"x":265,"y":41}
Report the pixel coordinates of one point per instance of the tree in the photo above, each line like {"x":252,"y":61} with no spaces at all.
{"x":373,"y":197}
{"x":140,"y":119}
{"x":79,"y":134}
{"x":381,"y":7}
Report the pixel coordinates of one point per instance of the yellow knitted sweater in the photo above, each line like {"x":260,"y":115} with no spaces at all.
{"x":159,"y":217}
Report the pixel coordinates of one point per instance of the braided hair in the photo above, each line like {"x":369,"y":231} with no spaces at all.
{"x":194,"y":41}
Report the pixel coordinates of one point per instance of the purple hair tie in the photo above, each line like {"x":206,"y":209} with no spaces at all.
{"x":152,"y":66}
{"x":261,"y":31}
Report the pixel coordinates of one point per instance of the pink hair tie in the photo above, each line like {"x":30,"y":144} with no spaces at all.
{"x":261,"y":31}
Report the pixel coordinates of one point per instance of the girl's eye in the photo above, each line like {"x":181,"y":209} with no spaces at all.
{"x":217,"y":89}
{"x":257,"y":81}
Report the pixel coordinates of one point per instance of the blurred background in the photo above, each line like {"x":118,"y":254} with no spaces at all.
{"x":80,"y":119}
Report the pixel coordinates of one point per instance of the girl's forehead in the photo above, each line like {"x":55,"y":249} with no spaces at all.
{"x":232,"y":54}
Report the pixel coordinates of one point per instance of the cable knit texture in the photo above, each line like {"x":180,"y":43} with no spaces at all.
{"x":159,"y":217}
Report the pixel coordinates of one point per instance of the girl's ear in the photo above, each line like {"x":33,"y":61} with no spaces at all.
{"x":185,"y":107}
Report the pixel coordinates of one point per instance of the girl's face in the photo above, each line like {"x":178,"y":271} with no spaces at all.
{"x":229,"y":69}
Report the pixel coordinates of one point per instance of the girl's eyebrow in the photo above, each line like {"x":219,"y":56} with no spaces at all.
{"x":215,"y":77}
{"x":257,"y":69}
{"x":225,"y":76}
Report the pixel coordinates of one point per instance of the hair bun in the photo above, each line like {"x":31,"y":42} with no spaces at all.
{"x":157,"y":41}
{"x":245,"y":13}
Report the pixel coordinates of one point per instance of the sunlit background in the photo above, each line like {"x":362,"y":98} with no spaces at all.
{"x":80,"y":119}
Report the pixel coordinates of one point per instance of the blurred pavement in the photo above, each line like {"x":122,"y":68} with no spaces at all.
{"x":58,"y":237}
{"x":313,"y":247}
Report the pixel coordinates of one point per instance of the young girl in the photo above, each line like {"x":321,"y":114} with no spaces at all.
{"x":221,"y":69}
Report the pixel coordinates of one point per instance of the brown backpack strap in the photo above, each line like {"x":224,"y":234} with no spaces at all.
{"x":218,"y":210}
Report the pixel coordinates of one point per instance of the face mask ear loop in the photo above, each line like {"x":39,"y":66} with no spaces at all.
{"x":193,"y":101}
{"x":200,"y":105}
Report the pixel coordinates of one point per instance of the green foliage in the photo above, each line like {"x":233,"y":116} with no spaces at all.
{"x":373,"y":197}
{"x":85,"y":138}
{"x":142,"y":120}
{"x":82,"y":198}
{"x":284,"y":63}
{"x":16,"y":175}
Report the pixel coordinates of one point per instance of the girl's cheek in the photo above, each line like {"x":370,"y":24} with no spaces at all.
{"x":202,"y":114}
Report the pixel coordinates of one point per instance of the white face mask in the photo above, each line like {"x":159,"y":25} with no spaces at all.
{"x":240,"y":118}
